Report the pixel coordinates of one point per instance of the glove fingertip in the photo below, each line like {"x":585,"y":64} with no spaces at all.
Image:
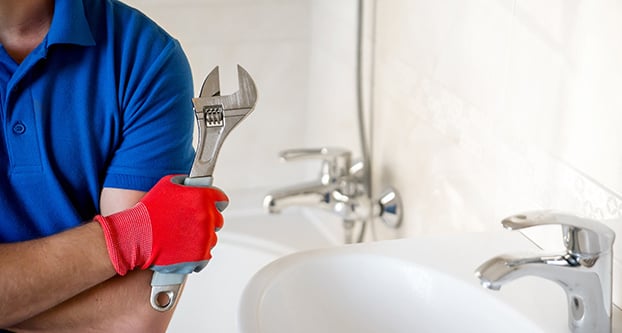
{"x":222,"y":205}
{"x":177,"y":179}
{"x":200,"y":266}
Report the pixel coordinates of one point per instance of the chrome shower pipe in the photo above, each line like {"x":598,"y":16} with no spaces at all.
{"x":366,"y":151}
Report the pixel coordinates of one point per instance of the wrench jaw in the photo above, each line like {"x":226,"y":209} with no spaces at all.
{"x":246,"y":95}
{"x":211,"y":85}
{"x":244,"y":98}
{"x":217,"y":115}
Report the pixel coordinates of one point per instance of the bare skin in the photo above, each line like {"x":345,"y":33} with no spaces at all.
{"x":23,"y":25}
{"x":66,"y":282}
{"x":70,"y":284}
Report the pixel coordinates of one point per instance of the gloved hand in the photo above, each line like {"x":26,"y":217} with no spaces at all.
{"x":172,"y":224}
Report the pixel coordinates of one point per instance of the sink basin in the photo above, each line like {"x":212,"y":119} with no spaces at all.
{"x":249,"y":241}
{"x":396,"y":286}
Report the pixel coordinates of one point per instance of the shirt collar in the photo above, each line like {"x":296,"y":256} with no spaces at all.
{"x":69,"y":24}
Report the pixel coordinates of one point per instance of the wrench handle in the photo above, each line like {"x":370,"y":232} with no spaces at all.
{"x":167,"y":285}
{"x":199,"y":181}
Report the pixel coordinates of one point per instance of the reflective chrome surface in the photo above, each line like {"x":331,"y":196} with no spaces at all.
{"x":584,"y":270}
{"x":216,"y":116}
{"x":340,"y":189}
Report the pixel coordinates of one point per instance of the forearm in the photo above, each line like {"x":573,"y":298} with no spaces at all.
{"x":40,"y":274}
{"x":42,"y":277}
{"x":120,"y":304}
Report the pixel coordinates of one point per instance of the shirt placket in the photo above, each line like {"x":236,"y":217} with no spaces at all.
{"x":20,"y":122}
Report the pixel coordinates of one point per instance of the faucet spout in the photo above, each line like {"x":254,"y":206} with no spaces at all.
{"x":312,"y":194}
{"x":498,"y":271}
{"x":584,"y":270}
{"x":586,"y":281}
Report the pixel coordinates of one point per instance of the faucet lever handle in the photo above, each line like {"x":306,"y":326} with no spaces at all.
{"x":582,"y":236}
{"x":314,"y":153}
{"x":337,"y":161}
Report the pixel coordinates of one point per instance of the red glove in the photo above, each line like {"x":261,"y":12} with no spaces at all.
{"x":172,"y":224}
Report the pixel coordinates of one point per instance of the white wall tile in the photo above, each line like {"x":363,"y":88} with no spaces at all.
{"x":473,"y":60}
{"x":233,"y":23}
{"x":489,"y":108}
{"x":331,"y":118}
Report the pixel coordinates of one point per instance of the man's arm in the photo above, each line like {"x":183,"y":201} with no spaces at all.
{"x":39,"y":274}
{"x":120,"y":304}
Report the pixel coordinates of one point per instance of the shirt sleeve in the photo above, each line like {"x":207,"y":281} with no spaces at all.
{"x":155,"y":96}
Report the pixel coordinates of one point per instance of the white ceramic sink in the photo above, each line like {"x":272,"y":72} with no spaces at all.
{"x":415,"y":285}
{"x":248,"y":242}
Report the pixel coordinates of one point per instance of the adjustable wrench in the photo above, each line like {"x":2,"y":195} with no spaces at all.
{"x":216,"y":116}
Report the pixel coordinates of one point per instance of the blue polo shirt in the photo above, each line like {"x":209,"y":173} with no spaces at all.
{"x":104,"y":101}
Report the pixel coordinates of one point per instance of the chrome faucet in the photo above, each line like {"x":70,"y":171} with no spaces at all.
{"x":335,"y":185}
{"x":340,"y":189}
{"x":583,"y":270}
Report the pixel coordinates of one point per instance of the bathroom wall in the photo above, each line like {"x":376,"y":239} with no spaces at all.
{"x":488,"y":108}
{"x":299,"y":52}
{"x":270,"y":39}
{"x":477,"y":109}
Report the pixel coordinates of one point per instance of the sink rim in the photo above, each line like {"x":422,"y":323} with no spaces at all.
{"x":256,"y":291}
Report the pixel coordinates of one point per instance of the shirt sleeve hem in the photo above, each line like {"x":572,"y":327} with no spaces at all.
{"x":130,"y":182}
